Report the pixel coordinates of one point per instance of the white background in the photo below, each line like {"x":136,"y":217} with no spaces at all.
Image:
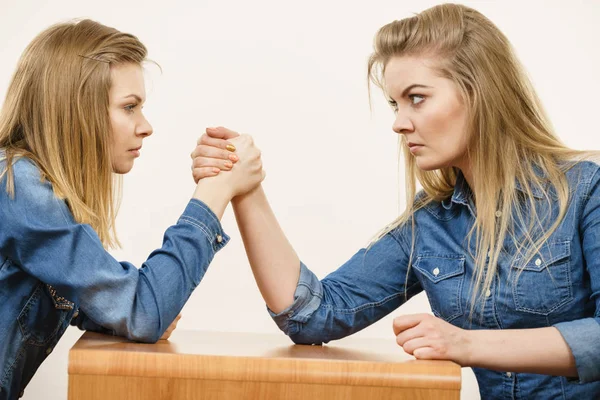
{"x":292,"y":74}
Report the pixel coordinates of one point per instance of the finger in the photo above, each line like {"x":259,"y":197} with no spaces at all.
{"x":405,"y":322}
{"x":427,"y":353}
{"x":221,"y":133}
{"x":412,"y":345}
{"x":218,"y":143}
{"x":409,"y":334}
{"x":204,"y":172}
{"x":213,"y":152}
{"x":224,"y":165}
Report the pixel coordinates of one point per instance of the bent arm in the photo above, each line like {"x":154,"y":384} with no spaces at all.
{"x":367,"y":287}
{"x":40,"y":235}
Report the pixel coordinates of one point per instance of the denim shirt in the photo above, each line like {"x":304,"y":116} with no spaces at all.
{"x":55,"y":272}
{"x":559,"y":286}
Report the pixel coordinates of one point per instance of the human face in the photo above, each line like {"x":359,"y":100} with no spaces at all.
{"x":429,"y":113}
{"x":129,"y":126}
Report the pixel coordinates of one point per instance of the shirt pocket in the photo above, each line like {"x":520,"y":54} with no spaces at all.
{"x":543,"y":284}
{"x":41,"y":319}
{"x":443,"y":282}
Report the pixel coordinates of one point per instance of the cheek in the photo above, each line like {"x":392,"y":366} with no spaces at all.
{"x":446,"y":130}
{"x":119,"y":126}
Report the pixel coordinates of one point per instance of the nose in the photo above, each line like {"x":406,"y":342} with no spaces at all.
{"x":402,"y":124}
{"x":144,"y":128}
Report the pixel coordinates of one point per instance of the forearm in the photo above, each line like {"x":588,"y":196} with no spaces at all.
{"x":274,"y":262}
{"x":214,"y":194}
{"x":540,"y":351}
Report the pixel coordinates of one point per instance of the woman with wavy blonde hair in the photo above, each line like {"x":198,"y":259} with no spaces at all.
{"x":72,"y":120}
{"x":504,"y":237}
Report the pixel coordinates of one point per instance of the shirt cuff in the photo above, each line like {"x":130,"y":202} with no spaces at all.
{"x":307,"y":298}
{"x":583,"y":337}
{"x":201,"y":216}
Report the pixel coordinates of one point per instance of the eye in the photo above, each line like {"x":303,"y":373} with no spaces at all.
{"x":130,"y":108}
{"x":416,"y":99}
{"x":393,"y":104}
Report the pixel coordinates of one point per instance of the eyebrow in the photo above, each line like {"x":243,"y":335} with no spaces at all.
{"x":138,"y":98}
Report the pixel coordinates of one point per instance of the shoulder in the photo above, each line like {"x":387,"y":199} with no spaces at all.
{"x":582,"y":172}
{"x":26,"y":176}
{"x":33,"y":196}
{"x":584,"y":177}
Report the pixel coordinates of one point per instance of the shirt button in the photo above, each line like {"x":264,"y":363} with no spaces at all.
{"x":219,"y":238}
{"x":75,"y":314}
{"x":498,"y":214}
{"x":436,"y":271}
{"x":48,"y":350}
{"x":509,"y":374}
{"x":538,"y":262}
{"x":488,"y":293}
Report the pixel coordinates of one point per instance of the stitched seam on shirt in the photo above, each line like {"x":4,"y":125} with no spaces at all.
{"x":561,"y":302}
{"x":588,"y":188}
{"x":39,"y":291}
{"x":435,"y":213}
{"x":201,"y":227}
{"x":197,"y":224}
{"x":208,"y":211}
{"x":562,"y":387}
{"x":10,"y":369}
{"x":400,"y":239}
{"x":312,"y":292}
{"x":367,"y":305}
{"x":23,"y":313}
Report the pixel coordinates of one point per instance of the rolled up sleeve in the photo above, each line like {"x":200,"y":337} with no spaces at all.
{"x":583,"y":335}
{"x":307,"y":299}
{"x":579,"y":335}
{"x":370,"y":285}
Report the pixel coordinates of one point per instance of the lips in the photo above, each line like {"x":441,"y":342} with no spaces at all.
{"x":414,"y":147}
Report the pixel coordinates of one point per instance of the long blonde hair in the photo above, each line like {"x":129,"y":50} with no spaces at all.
{"x":504,"y":113}
{"x":56,"y":114}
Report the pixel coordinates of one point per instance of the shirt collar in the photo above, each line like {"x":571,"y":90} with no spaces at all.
{"x":462,"y":192}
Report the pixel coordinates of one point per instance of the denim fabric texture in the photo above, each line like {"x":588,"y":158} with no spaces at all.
{"x":55,"y":272}
{"x":559,"y":286}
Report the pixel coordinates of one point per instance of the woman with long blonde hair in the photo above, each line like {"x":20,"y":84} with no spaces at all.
{"x":72,"y":120}
{"x":504,"y":237}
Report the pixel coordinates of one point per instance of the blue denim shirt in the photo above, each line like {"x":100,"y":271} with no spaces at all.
{"x":55,"y":272}
{"x":559,"y":287}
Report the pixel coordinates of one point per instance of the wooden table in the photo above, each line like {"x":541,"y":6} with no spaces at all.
{"x":215,"y":365}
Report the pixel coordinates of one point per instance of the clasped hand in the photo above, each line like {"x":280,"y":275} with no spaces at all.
{"x":221,"y":149}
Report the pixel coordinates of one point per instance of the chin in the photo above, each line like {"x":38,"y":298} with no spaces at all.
{"x":428,"y":165}
{"x":122,"y":168}
{"x":425,"y":163}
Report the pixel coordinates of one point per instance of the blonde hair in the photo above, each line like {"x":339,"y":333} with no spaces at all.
{"x":504,"y":112}
{"x":56,"y":114}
